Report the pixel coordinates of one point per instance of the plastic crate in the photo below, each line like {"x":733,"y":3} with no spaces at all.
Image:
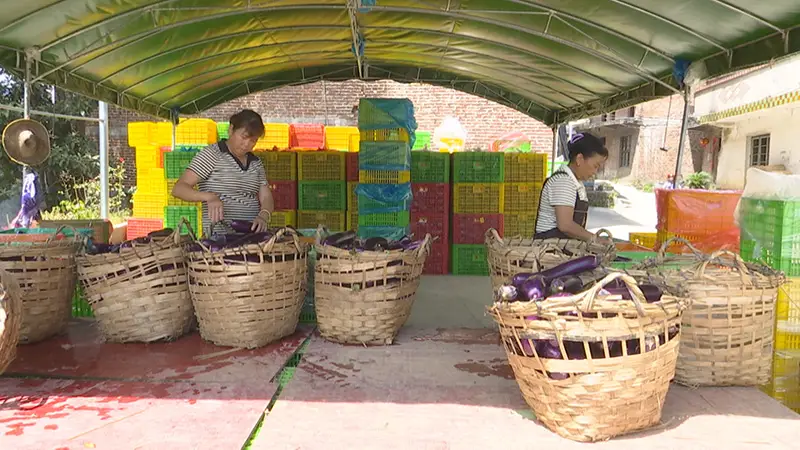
{"x":279,"y":166}
{"x":276,"y":136}
{"x":478,"y":167}
{"x":283,"y":219}
{"x":647,"y":240}
{"x":787,"y":336}
{"x":175,"y":201}
{"x":770,"y":230}
{"x":175,"y":163}
{"x":429,"y":197}
{"x":334,"y":221}
{"x":376,"y":113}
{"x":307,"y":135}
{"x":352,"y":220}
{"x":352,"y":197}
{"x":386,"y":155}
{"x":148,"y":206}
{"x":525,"y":167}
{"x":554,"y":167}
{"x":521,"y":197}
{"x":284,"y":194}
{"x":338,"y":138}
{"x":142,"y":227}
{"x":355,"y":142}
{"x":436,"y":223}
{"x":469,"y":259}
{"x":430,"y":167}
{"x":519,"y":224}
{"x":141,"y":134}
{"x":174,"y":214}
{"x":388,"y":232}
{"x":422,"y":140}
{"x":395,"y":219}
{"x":322,"y":195}
{"x":308,"y":316}
{"x":196,"y":131}
{"x":386,"y":134}
{"x":471,"y":228}
{"x":368,"y":205}
{"x":788,"y":307}
{"x":384,"y":176}
{"x":80,"y":307}
{"x":186,"y":148}
{"x":351,"y":167}
{"x":151,"y":181}
{"x":222,"y":130}
{"x":321,"y":166}
{"x":438,"y":260}
{"x":478,"y":198}
{"x":148,"y":157}
{"x":162,"y":134}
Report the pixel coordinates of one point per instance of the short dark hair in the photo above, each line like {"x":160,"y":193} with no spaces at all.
{"x":587,"y":145}
{"x":249,"y":120}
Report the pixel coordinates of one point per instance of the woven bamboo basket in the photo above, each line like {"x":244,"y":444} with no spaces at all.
{"x":578,"y":359}
{"x":46,"y":275}
{"x":10,"y":318}
{"x":669,"y":262}
{"x":140,"y":294}
{"x":252,"y":295}
{"x":366,"y":297}
{"x":728,"y":331}
{"x":508,"y":257}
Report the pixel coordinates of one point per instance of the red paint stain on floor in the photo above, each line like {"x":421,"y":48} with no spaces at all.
{"x":51,"y":427}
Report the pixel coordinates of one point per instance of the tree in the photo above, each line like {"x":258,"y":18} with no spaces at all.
{"x":73,"y":158}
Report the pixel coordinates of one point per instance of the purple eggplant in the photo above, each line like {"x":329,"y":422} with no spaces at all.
{"x":340,"y":240}
{"x":507,"y":293}
{"x":652,"y":293}
{"x":242,"y":226}
{"x":520,"y":278}
{"x":162,"y":233}
{"x":570,"y":285}
{"x":533,"y":289}
{"x":376,"y":244}
{"x":527,"y":349}
{"x":572,"y":267}
{"x":548,"y":349}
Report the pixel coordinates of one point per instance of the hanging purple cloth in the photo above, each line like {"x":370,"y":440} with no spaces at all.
{"x":32,"y":200}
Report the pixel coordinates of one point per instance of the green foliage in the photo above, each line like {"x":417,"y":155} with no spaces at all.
{"x":73,"y":157}
{"x":81,"y":198}
{"x":699,"y":180}
{"x":644,"y":186}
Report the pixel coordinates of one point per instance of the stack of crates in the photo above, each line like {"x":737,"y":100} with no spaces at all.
{"x":175,"y":163}
{"x":478,"y":204}
{"x":770,"y":234}
{"x":281,"y":169}
{"x":524,"y":177}
{"x":340,"y":138}
{"x":384,"y":163}
{"x":148,"y":201}
{"x":430,"y":209}
{"x":321,"y":190}
{"x":351,"y":169}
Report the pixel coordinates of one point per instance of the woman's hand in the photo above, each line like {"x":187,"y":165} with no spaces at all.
{"x":215,"y":209}
{"x":260,"y":224}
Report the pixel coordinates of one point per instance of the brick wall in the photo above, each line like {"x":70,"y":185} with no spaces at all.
{"x":332,"y":103}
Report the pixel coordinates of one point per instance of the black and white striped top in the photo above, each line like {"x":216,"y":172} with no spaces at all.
{"x":561,"y":189}
{"x":236,"y":184}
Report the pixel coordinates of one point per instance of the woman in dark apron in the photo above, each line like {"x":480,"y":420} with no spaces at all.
{"x":564,"y":205}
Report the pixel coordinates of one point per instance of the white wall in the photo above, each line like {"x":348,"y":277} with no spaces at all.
{"x":783,"y":126}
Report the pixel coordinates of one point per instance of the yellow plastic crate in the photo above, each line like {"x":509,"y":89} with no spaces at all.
{"x":196,"y":132}
{"x":352,"y":220}
{"x":151,"y":181}
{"x":147,"y":157}
{"x":332,"y":220}
{"x":788,"y":306}
{"x":355,"y":142}
{"x":163,"y":134}
{"x":175,"y":201}
{"x":338,"y":138}
{"x":647,"y":240}
{"x":276,"y":135}
{"x":390,"y":134}
{"x":478,"y":198}
{"x":321,"y":166}
{"x":283,"y":219}
{"x":352,"y":197}
{"x":141,"y":134}
{"x":148,"y":206}
{"x":521,"y":197}
{"x":384,"y":176}
{"x":787,"y":336}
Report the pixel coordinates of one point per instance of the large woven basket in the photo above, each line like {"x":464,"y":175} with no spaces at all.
{"x":366,"y":297}
{"x":577,"y":364}
{"x":249,"y":296}
{"x":140,"y":294}
{"x":728,"y":331}
{"x":508,"y":257}
{"x":46,"y":275}
{"x":10,"y":318}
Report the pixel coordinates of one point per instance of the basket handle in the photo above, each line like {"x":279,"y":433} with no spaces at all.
{"x":320,"y":231}
{"x":279,"y":234}
{"x":425,"y":246}
{"x":677,"y":239}
{"x":636,"y":294}
{"x":492,"y":235}
{"x":176,"y":234}
{"x":603,"y":231}
{"x":60,"y":229}
{"x":738,"y":261}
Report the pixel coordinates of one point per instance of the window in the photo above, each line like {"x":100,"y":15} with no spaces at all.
{"x":759,"y":150}
{"x":625,"y":151}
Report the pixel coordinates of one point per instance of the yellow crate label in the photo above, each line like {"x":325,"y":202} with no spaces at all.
{"x":524,"y":188}
{"x":478,"y":189}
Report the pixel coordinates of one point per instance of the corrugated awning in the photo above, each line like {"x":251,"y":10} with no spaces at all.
{"x":554,"y":60}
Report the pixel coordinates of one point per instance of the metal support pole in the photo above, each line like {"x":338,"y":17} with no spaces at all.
{"x":103,"y":140}
{"x":684,"y":132}
{"x":555,"y":149}
{"x":26,"y":89}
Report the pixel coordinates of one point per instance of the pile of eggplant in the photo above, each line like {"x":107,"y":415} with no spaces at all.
{"x":565,"y":280}
{"x":242,"y":237}
{"x":348,"y":240}
{"x":99,"y":248}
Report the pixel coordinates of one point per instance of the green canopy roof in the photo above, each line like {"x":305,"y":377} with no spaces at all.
{"x":554,"y":60}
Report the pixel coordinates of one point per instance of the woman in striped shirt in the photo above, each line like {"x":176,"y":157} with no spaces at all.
{"x":231,"y":181}
{"x":564,"y":204}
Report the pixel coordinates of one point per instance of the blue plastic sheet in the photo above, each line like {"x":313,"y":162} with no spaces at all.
{"x":386,"y":113}
{"x":384,"y":198}
{"x":385,"y":155}
{"x":388,"y":233}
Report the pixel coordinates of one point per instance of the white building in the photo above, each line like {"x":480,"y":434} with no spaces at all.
{"x":759,"y":114}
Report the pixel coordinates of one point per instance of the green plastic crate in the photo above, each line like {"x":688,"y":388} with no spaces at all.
{"x":175,"y":163}
{"x":469,"y":259}
{"x":322,"y":195}
{"x":308,"y":315}
{"x":80,"y":307}
{"x":422,"y":141}
{"x":430,"y":167}
{"x":387,"y":232}
{"x":554,"y":166}
{"x":370,"y":205}
{"x":384,"y":155}
{"x":478,"y":167}
{"x":222,"y":130}
{"x":770,"y":233}
{"x":395,"y":219}
{"x":174,"y":214}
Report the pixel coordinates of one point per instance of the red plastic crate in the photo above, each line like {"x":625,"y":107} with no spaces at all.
{"x":430,"y":197}
{"x":284,"y":193}
{"x":141,"y":227}
{"x":438,"y":259}
{"x":436,"y":223}
{"x":471,"y":228}
{"x":307,"y":135}
{"x":351,"y":166}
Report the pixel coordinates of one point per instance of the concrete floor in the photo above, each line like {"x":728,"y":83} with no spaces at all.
{"x":448,"y":301}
